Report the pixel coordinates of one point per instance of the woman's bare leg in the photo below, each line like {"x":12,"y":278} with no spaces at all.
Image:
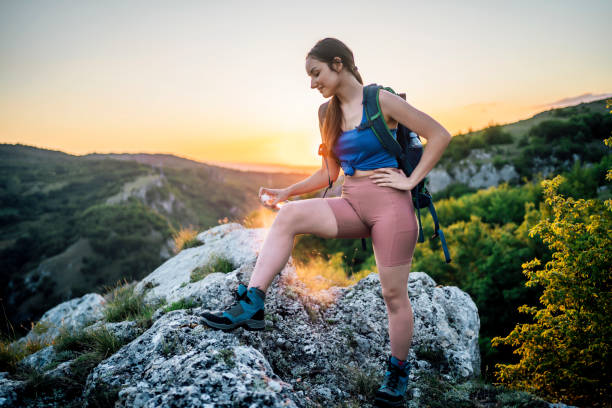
{"x":394,"y":282}
{"x":311,"y":216}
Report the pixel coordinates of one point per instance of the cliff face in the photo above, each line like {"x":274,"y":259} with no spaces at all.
{"x":475,"y":171}
{"x":318,"y":349}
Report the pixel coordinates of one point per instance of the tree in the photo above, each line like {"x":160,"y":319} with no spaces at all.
{"x":565,"y":353}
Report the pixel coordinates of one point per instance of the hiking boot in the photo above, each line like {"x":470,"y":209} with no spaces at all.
{"x":247,"y":311}
{"x":391,"y":392}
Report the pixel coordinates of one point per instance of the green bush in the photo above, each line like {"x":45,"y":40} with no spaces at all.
{"x":494,"y":135}
{"x":564,"y":353}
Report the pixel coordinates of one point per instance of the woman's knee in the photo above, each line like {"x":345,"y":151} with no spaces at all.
{"x":311,"y":216}
{"x":395,"y":295}
{"x":287,"y":216}
{"x":394,"y":283}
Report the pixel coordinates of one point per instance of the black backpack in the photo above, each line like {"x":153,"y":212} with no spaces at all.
{"x":407,"y":149}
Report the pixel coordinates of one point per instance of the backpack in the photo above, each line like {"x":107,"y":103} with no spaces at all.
{"x":407,"y":149}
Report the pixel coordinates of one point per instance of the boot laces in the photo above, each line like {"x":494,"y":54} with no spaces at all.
{"x":392,"y":377}
{"x":238,"y":298}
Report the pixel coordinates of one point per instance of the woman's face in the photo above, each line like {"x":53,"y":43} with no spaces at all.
{"x":322,"y":77}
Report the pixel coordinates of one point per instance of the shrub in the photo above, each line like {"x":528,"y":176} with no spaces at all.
{"x":564,"y":353}
{"x":494,"y":135}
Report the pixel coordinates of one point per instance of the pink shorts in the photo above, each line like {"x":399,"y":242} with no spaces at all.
{"x":386,"y":214}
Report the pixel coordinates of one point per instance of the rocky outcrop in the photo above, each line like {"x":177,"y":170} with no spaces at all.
{"x":72,"y":315}
{"x":315,"y":349}
{"x":476,"y":171}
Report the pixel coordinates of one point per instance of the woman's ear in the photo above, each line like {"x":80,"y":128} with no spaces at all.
{"x":337,"y":63}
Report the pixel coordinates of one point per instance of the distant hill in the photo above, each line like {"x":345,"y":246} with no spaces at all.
{"x":72,"y":224}
{"x":550,"y":142}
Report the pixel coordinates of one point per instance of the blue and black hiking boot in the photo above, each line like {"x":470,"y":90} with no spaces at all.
{"x":391,"y":392}
{"x":247,"y":311}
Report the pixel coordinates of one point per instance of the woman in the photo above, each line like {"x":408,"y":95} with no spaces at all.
{"x":376,"y":201}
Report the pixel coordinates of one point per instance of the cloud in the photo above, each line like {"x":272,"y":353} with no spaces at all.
{"x":575,"y":100}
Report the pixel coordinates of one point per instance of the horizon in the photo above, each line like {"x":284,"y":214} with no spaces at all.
{"x":148,"y":78}
{"x":305,"y":169}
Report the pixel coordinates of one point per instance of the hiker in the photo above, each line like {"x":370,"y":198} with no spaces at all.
{"x":376,"y":202}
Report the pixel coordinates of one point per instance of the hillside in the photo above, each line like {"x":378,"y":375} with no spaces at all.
{"x":72,"y":224}
{"x":550,"y":142}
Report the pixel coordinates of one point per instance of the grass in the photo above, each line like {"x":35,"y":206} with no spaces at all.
{"x":41,"y":327}
{"x":181,"y":304}
{"x":438,"y":393}
{"x":124,"y":304}
{"x":11,"y":353}
{"x":362,"y":382}
{"x":86,"y":349}
{"x":100,"y":341}
{"x":185,"y":238}
{"x":172,"y":346}
{"x":216,"y":264}
{"x":227,"y":355}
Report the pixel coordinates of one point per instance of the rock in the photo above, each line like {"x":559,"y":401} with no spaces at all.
{"x":39,"y":359}
{"x":171,"y":280}
{"x":124,"y":331}
{"x":468,"y":171}
{"x":72,"y":315}
{"x":191,"y":367}
{"x":9,"y":390}
{"x":313,"y":346}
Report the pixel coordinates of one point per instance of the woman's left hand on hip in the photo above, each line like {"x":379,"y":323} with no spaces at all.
{"x":390,"y":178}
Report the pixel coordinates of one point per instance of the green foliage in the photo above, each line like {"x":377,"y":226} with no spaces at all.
{"x":227,"y":356}
{"x":496,"y":205}
{"x":565,"y":352}
{"x":12,"y":352}
{"x":361,"y":382}
{"x":171,"y":345}
{"x":124,"y":304}
{"x":86,"y":349}
{"x":192,"y":243}
{"x":181,"y":304}
{"x":558,"y":140}
{"x":41,"y":327}
{"x":494,"y":135}
{"x":455,"y":190}
{"x":126,"y":233}
{"x":216,"y":264}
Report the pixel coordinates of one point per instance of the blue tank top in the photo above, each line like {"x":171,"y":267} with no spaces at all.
{"x":360,"y":150}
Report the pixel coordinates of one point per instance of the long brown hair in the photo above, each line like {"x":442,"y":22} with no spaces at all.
{"x":325,"y":51}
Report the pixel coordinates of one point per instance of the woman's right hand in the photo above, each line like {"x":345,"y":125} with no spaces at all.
{"x":276,"y":195}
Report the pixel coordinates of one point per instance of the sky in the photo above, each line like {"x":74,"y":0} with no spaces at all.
{"x":226,"y":81}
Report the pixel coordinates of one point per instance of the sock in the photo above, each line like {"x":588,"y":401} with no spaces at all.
{"x":397,"y":362}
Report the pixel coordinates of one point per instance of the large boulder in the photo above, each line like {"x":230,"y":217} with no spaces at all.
{"x":314,"y":347}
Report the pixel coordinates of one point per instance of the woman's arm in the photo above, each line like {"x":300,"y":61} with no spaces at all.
{"x":423,"y":125}
{"x":315,"y":182}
